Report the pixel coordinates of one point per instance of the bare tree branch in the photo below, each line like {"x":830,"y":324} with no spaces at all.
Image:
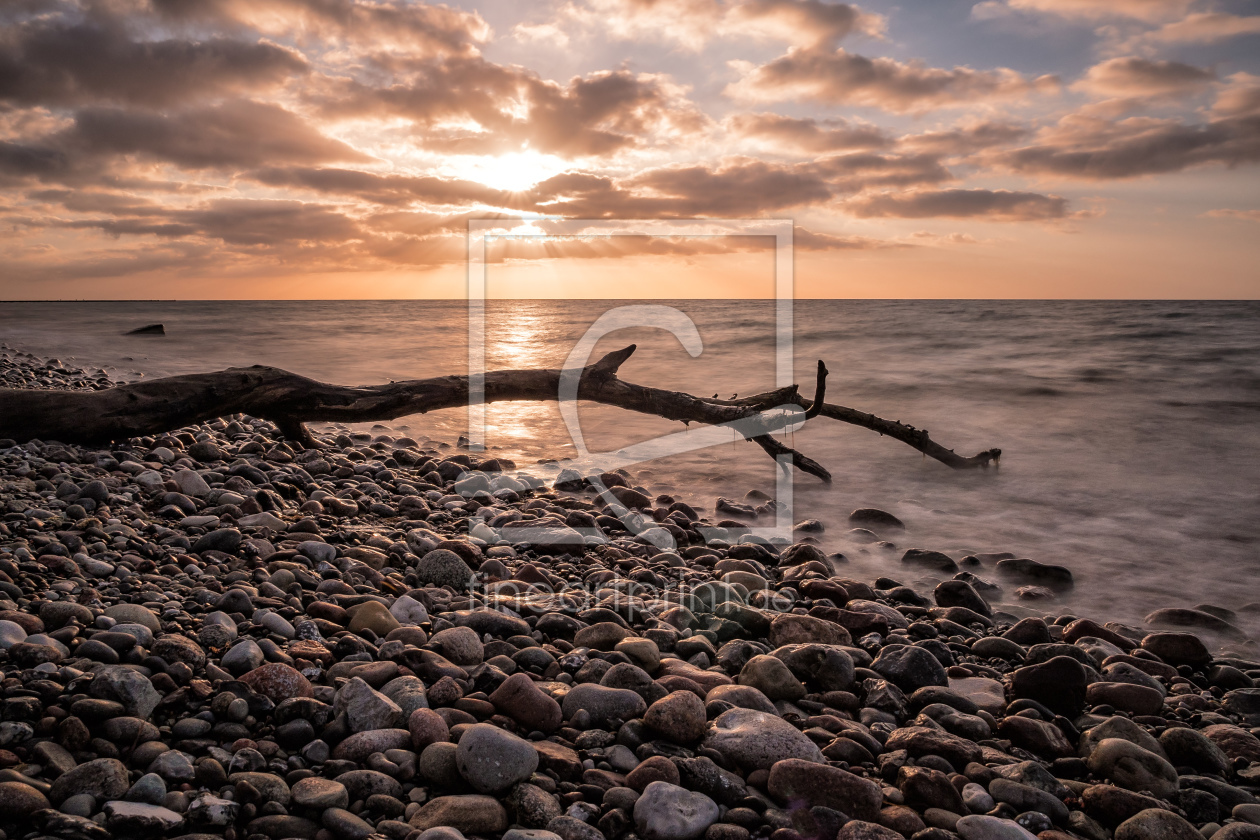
{"x":290,"y":401}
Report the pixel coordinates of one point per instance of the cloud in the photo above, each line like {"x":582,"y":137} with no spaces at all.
{"x":472,"y":106}
{"x":842,"y":78}
{"x":987,"y":205}
{"x":49,"y":62}
{"x":806,"y":134}
{"x":383,"y":189}
{"x":1089,"y":147}
{"x":243,"y":222}
{"x":240,"y":133}
{"x":804,"y":239}
{"x":434,"y":29}
{"x":1147,"y":10}
{"x":1133,"y":76}
{"x":1204,"y":28}
{"x":809,"y":22}
{"x":1240,"y":97}
{"x":966,"y":139}
{"x":1245,"y":215}
{"x":693,"y":24}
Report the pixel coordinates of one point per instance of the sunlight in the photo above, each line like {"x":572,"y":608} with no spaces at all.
{"x":513,"y":171}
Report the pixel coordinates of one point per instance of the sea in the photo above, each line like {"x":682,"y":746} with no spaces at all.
{"x":1129,"y":430}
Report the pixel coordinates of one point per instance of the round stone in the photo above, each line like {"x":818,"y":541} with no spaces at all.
{"x":670,"y":812}
{"x":756,"y":740}
{"x":492,"y":759}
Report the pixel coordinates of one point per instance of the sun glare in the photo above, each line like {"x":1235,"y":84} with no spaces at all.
{"x":513,"y":171}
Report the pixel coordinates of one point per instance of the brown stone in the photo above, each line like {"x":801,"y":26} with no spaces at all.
{"x":426,"y":727}
{"x":679,"y":716}
{"x":920,"y":740}
{"x":791,"y":629}
{"x":472,"y":814}
{"x":523,"y":701}
{"x":820,"y":784}
{"x":277,"y":682}
{"x":658,"y":768}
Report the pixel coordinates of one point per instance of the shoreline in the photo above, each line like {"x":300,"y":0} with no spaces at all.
{"x":215,"y":632}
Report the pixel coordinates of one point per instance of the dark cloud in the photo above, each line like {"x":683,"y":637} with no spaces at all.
{"x":81,"y":201}
{"x":18,"y":162}
{"x":432,"y":28}
{"x":242,"y":222}
{"x":52,"y":62}
{"x":240,"y":133}
{"x":986,"y":205}
{"x":383,"y":189}
{"x":851,"y":173}
{"x":965,"y":140}
{"x":807,"y":134}
{"x":1098,"y":149}
{"x":840,"y":77}
{"x":1135,"y":76}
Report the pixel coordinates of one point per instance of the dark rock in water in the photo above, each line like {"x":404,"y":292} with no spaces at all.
{"x":930,"y":559}
{"x":959,"y":593}
{"x":151,"y":329}
{"x":1174,"y":617}
{"x":876,"y":520}
{"x":1177,"y":648}
{"x":1056,"y":577}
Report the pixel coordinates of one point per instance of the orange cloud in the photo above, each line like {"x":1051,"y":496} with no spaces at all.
{"x":380,"y":24}
{"x":986,"y":205}
{"x":842,"y":78}
{"x":1094,"y":9}
{"x":1088,"y":147}
{"x":1134,"y":76}
{"x":806,"y":134}
{"x":1204,"y":28}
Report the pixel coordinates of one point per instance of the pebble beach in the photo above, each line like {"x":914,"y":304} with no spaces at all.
{"x":216,"y":633}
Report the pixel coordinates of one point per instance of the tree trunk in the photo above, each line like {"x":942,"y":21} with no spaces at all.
{"x":289,"y":400}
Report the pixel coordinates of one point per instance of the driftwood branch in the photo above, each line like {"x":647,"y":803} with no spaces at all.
{"x":290,"y":401}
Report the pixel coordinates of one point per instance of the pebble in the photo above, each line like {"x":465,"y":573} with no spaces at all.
{"x":669,"y":812}
{"x":492,"y":759}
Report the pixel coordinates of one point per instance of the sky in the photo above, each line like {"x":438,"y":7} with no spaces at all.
{"x":294,"y":149}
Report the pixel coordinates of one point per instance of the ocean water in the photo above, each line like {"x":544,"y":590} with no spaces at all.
{"x":1130,"y":430}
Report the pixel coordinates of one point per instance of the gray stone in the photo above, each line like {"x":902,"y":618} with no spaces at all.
{"x":603,"y":704}
{"x":441,"y":567}
{"x":148,"y":788}
{"x":1133,"y":768}
{"x":1157,"y":824}
{"x":134,"y":818}
{"x":103,"y":778}
{"x":319,"y":793}
{"x":492,"y":759}
{"x":123,"y":685}
{"x":909,"y":667}
{"x":983,"y":827}
{"x":669,"y":812}
{"x":756,"y":740}
{"x":244,"y":656}
{"x":367,"y":709}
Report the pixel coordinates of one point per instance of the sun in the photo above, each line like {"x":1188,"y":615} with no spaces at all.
{"x":512,"y":171}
